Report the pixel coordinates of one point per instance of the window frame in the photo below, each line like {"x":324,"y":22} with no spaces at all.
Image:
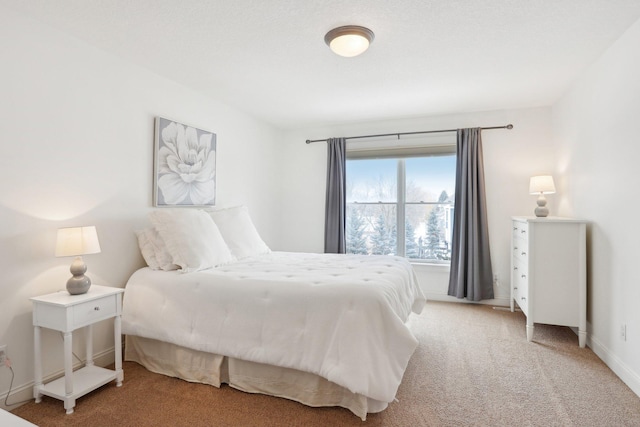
{"x":401,"y":154}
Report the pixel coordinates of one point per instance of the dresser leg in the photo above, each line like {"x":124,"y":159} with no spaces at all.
{"x":582,"y":338}
{"x":529,"y":332}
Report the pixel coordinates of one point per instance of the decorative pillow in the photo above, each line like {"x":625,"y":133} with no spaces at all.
{"x":192,"y":238}
{"x":154,"y":251}
{"x":238,"y":231}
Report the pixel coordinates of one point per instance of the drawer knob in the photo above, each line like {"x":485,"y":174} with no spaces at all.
{"x":515,"y":288}
{"x":523,"y":231}
{"x":524,"y":253}
{"x":524,"y":276}
{"x":96,"y":308}
{"x":515,"y":228}
{"x":523,"y":298}
{"x":515,"y":268}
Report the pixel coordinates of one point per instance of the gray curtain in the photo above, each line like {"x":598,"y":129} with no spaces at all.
{"x":335,"y":206}
{"x":471,"y":274}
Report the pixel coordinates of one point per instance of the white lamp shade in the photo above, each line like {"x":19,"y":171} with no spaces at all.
{"x":542,"y":184}
{"x":74,"y":241}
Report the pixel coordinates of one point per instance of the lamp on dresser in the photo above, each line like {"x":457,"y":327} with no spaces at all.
{"x":541,"y":185}
{"x":77,"y":241}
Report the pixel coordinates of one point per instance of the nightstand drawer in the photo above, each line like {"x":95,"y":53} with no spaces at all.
{"x":90,"y":312}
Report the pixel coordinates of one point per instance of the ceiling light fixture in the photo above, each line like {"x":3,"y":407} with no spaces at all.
{"x":350,"y":40}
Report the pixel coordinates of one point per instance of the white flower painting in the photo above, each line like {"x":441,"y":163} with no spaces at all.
{"x":185,"y":168}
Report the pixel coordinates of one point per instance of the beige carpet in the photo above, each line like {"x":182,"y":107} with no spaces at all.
{"x":473,"y":367}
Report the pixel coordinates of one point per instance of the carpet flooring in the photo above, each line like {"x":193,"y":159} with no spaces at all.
{"x":473,"y":367}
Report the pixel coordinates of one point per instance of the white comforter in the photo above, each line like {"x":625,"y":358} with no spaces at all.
{"x":338,"y":316}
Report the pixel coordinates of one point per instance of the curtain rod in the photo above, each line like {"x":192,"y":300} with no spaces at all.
{"x":509,"y":126}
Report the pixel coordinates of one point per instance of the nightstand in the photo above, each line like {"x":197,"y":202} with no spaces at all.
{"x":65,"y":313}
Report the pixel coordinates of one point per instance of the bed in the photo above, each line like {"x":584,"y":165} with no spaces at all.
{"x":324,"y":330}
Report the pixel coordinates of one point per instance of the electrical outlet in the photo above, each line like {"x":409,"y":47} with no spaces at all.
{"x":3,"y":354}
{"x":623,"y":331}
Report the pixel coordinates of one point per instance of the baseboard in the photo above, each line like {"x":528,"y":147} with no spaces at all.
{"x":24,"y":393}
{"x":623,"y":372}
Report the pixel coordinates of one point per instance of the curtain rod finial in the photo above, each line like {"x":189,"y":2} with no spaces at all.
{"x":509,"y":126}
{"x":308,"y":141}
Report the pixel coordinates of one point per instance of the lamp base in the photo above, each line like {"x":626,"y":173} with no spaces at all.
{"x":542,"y":210}
{"x":79,"y":283}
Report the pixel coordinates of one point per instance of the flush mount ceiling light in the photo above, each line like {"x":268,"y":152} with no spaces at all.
{"x":350,"y":40}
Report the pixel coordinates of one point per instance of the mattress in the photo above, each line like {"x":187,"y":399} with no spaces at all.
{"x":338,"y":317}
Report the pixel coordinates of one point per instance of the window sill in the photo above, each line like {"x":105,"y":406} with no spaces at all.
{"x":431,"y":265}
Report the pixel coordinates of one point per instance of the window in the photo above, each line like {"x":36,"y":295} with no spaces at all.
{"x":401,"y":204}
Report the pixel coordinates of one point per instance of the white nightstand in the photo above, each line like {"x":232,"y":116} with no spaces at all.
{"x":66,"y":313}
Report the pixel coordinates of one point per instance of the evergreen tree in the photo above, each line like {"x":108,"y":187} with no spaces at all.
{"x":434,"y":230}
{"x":380,"y":238}
{"x":411,"y":246}
{"x":392,"y":240}
{"x":356,"y":240}
{"x":436,"y":247}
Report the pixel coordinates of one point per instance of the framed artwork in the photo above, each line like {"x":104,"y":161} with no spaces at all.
{"x":184,"y":172}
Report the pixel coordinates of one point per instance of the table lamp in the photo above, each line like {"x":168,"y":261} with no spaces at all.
{"x":542,"y":185}
{"x":77,"y":241}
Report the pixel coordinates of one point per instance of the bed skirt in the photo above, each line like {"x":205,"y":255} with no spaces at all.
{"x":251,"y":377}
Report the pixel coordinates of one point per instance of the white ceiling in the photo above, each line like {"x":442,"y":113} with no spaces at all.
{"x":429,"y":57}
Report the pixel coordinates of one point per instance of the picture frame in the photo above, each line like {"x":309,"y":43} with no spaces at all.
{"x":184,"y":172}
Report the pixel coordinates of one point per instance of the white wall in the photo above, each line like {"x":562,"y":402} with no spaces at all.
{"x":594,"y":125}
{"x":510,"y":156}
{"x":77,"y":149}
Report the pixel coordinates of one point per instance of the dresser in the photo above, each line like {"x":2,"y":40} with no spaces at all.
{"x":549,"y":272}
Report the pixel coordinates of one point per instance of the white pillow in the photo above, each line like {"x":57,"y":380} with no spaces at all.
{"x":192,"y":238}
{"x":147,"y":250}
{"x":238,"y":231}
{"x":154,"y":251}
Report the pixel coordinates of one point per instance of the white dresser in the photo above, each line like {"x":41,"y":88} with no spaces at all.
{"x":549,"y":272}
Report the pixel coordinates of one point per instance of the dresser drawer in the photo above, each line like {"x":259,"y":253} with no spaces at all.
{"x":520,"y":249}
{"x":90,"y":312}
{"x":521,"y":285}
{"x":520,"y":229}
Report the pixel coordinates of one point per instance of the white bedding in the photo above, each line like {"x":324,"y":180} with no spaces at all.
{"x":341,"y":317}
